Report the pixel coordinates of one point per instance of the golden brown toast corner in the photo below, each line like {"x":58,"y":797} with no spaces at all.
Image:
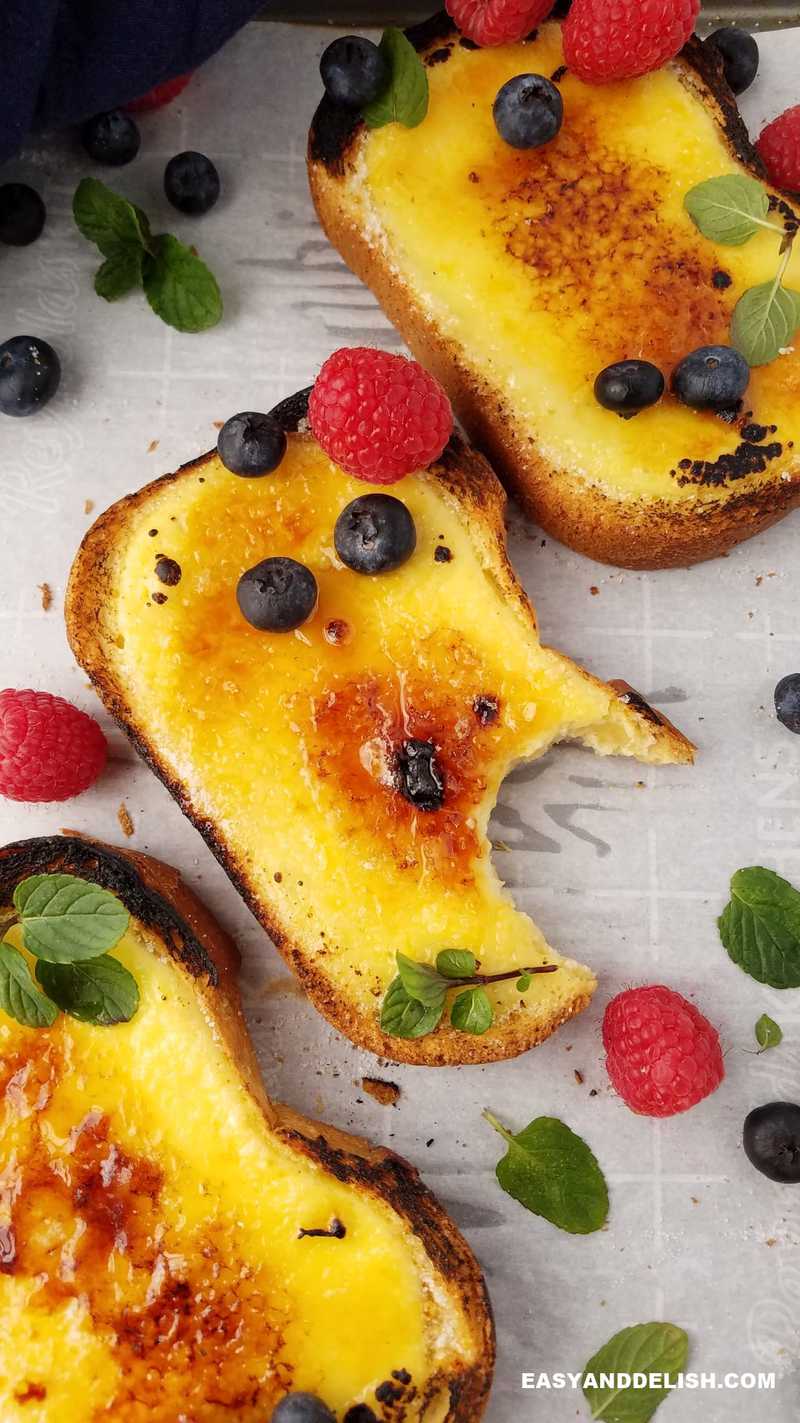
{"x":574,"y":255}
{"x":165,"y":1121}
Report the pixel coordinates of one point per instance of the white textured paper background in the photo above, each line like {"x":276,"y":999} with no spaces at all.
{"x":622,"y":866}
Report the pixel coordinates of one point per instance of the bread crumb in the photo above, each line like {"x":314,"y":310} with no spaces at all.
{"x":579,"y":1077}
{"x":594,"y":591}
{"x":772,"y":1241}
{"x":152,"y":446}
{"x":218,"y":424}
{"x":387,"y":1093}
{"x":124,"y":818}
{"x":47,"y":596}
{"x":88,"y":505}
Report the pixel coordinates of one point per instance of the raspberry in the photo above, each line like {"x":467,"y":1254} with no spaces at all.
{"x":161,"y":95}
{"x":492,"y":22}
{"x":378,"y":416}
{"x":620,"y":39}
{"x":779,"y":147}
{"x":662,"y":1055}
{"x":48,"y":749}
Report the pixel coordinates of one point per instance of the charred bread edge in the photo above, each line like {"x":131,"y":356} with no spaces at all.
{"x":648,"y":533}
{"x":156,"y":895}
{"x":471,"y":484}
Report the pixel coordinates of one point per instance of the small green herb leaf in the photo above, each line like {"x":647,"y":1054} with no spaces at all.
{"x":764,"y":321}
{"x":101,"y":991}
{"x":472,"y":1012}
{"x":644,"y":1349}
{"x":179,"y":286}
{"x":552,"y":1172}
{"x":421,"y":981}
{"x":730,"y":209}
{"x":119,"y":274}
{"x":768,"y":1032}
{"x":524,"y":983}
{"x":760,"y":927}
{"x":19,"y":996}
{"x":108,"y":220}
{"x":405,"y":1017}
{"x":66,"y":920}
{"x":405,"y":100}
{"x":456,"y":963}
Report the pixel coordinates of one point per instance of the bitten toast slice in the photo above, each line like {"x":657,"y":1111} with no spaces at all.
{"x":517,"y":276}
{"x":153,"y":1200}
{"x":285,"y":748}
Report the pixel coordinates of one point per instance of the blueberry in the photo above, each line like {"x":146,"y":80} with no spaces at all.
{"x":302,"y":1408}
{"x":111,"y":138}
{"x":354,"y":71}
{"x":787,"y":701}
{"x":528,"y":111}
{"x":629,"y":386}
{"x":419,"y":777}
{"x":739,"y":56}
{"x":191,"y":183}
{"x":29,"y":375}
{"x":374,"y":534}
{"x":711,"y":378}
{"x":251,"y":444}
{"x":22,"y":214}
{"x":277,"y":595}
{"x":771,"y":1140}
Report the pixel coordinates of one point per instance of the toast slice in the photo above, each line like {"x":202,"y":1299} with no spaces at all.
{"x":152,"y":1265}
{"x":517,"y":276}
{"x":284,"y":749}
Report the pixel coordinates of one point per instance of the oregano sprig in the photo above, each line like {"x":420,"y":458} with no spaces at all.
{"x":68,"y":926}
{"x":415,"y":1000}
{"x":178,"y":285}
{"x":730,"y":210}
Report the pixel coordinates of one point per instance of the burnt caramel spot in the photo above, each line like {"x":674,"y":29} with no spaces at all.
{"x":442,"y":554}
{"x":486,"y":709}
{"x":746,"y":459}
{"x":389,"y":1392}
{"x":586,"y":223}
{"x":721,"y":280}
{"x":189,"y":1324}
{"x":159,"y":598}
{"x":335,"y":1231}
{"x":360,"y":730}
{"x":168,"y":571}
{"x":337,"y":631}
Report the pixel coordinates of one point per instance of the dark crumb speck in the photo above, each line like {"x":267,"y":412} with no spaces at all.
{"x":337,"y":631}
{"x":277,"y":876}
{"x":159,"y":598}
{"x":474,"y":177}
{"x":721,"y":279}
{"x":153,"y":533}
{"x":486,"y":709}
{"x":593,"y":1092}
{"x":168,"y":571}
{"x":388,"y":1392}
{"x":430,"y":1141}
{"x":754,"y":432}
{"x":402,"y":1375}
{"x":442,"y":554}
{"x":558,"y":74}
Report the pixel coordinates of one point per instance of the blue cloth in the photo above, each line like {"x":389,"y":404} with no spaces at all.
{"x":64,"y":60}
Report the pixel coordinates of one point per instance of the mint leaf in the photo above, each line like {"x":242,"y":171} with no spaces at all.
{"x":764,"y":321}
{"x":405,"y":100}
{"x":65,"y":919}
{"x":19,"y":996}
{"x":101,"y":991}
{"x":552,"y":1173}
{"x":641,"y":1349}
{"x":405,"y":1017}
{"x":523,"y":983}
{"x":730,"y":209}
{"x":179,"y":286}
{"x":119,"y":274}
{"x":421,"y":981}
{"x":108,"y":220}
{"x":760,"y":927}
{"x":768,"y":1033}
{"x":472,"y":1012}
{"x":456,"y":963}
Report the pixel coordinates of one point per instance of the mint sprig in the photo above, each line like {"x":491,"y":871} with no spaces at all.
{"x":653,"y":1348}
{"x":768,"y":1032}
{"x":178,"y":285}
{"x":730,"y":210}
{"x":554,"y":1174}
{"x":415,"y":1001}
{"x":760,"y":927}
{"x":406,"y":97}
{"x":67,"y":925}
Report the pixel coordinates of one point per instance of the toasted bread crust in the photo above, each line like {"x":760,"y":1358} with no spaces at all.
{"x":632,"y":533}
{"x":466,"y":479}
{"x":155,"y":894}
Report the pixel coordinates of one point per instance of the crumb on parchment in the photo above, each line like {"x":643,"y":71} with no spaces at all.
{"x":88,"y":505}
{"x":387,"y":1093}
{"x":152,"y":446}
{"x":47,"y":596}
{"x":124,"y":817}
